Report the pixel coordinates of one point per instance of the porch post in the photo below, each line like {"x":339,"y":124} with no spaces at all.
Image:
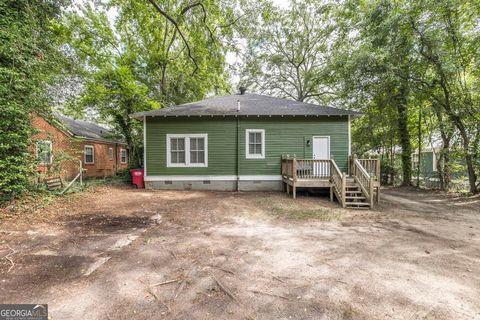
{"x":294,"y":174}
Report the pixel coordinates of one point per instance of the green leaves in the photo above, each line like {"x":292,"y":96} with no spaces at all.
{"x":289,"y":51}
{"x":130,"y":58}
{"x":29,"y":60}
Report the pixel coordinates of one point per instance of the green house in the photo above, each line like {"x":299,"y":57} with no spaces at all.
{"x":428,"y":162}
{"x":237,"y":142}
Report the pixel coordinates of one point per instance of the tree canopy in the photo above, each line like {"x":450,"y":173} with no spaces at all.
{"x":412,"y":67}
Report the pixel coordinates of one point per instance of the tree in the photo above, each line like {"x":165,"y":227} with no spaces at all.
{"x":28,"y":61}
{"x":448,"y":44}
{"x":377,"y":75}
{"x":141,"y":60}
{"x":288,"y":52}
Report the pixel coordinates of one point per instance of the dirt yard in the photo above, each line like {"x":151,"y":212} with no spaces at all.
{"x":117,"y":253}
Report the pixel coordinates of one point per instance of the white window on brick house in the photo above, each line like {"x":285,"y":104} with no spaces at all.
{"x":187,"y":150}
{"x":89,"y":152}
{"x":44,"y":152}
{"x":123,"y":156}
{"x":255,"y":144}
{"x":110,"y":153}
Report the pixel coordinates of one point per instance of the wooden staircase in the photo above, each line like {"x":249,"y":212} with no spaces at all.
{"x":359,"y":190}
{"x":354,"y":196}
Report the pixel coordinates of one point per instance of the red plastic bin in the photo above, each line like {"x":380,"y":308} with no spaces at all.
{"x":137,"y":178}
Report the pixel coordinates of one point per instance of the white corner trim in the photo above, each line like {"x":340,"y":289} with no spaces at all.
{"x":349,"y":136}
{"x":144,"y":146}
{"x":187,"y":163}
{"x":213,"y":178}
{"x":247,"y":144}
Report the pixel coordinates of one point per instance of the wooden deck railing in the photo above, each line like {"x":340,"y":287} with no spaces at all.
{"x":306,"y":169}
{"x":339,"y":182}
{"x":314,"y":169}
{"x":372,"y":166}
{"x":364,"y":180}
{"x":288,"y":168}
{"x":365,"y":172}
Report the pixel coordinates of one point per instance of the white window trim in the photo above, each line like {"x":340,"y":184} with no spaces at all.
{"x":110,"y":156}
{"x":85,"y":154}
{"x":434,"y":161}
{"x":126,"y":159}
{"x":187,"y":163}
{"x":51,"y":151}
{"x":247,"y":145}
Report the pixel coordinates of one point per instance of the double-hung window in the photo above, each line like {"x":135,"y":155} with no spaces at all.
{"x":89,"y":154}
{"x":44,"y":152}
{"x":123,"y":156}
{"x":187,"y":150}
{"x":255,"y":144}
{"x":110,"y":153}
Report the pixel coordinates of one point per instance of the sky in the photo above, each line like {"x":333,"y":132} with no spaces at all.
{"x":232,"y":58}
{"x":281,"y":3}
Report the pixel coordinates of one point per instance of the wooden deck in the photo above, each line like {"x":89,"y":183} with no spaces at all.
{"x":360,"y":189}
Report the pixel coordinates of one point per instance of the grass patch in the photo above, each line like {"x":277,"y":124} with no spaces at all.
{"x":298,"y":210}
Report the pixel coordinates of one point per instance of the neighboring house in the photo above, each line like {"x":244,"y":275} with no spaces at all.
{"x":428,"y":162}
{"x":62,"y":142}
{"x":237,"y":142}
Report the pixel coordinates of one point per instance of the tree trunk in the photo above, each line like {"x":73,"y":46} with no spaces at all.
{"x":447,"y":171}
{"x":392,"y":161}
{"x":457,"y":121}
{"x":419,"y":147}
{"x":444,"y":172}
{"x":404,"y":136}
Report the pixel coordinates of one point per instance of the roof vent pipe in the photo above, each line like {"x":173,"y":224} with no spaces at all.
{"x":242,"y":90}
{"x":238,"y":105}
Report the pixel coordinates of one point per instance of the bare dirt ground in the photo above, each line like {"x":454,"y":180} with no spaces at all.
{"x":117,"y":253}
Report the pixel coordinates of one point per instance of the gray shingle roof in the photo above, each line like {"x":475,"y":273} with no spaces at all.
{"x":87,"y":130}
{"x":250,"y":105}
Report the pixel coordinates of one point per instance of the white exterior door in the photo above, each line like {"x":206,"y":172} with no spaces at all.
{"x":321,"y":151}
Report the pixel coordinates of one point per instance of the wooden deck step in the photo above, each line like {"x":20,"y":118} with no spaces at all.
{"x":356,"y":197}
{"x":361,"y":204}
{"x":359,"y":208}
{"x":53,"y":183}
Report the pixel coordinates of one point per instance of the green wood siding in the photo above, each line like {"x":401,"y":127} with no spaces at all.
{"x":287,"y":135}
{"x":426,"y":164}
{"x":221,"y":144}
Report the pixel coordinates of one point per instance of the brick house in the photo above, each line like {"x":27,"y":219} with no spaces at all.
{"x":62,"y":142}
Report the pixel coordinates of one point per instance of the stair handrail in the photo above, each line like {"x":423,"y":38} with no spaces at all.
{"x":364,"y":180}
{"x":339,"y":181}
{"x":372,"y":166}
